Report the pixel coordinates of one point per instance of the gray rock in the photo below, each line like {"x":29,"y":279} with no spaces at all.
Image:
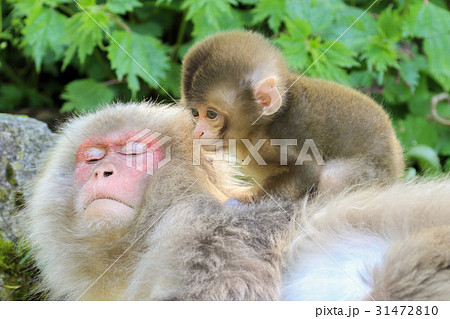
{"x":22,"y":142}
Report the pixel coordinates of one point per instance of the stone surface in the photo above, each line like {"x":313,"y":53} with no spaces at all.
{"x":22,"y":142}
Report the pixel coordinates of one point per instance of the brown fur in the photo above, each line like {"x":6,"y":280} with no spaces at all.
{"x":183,"y":245}
{"x":352,"y":132}
{"x":417,"y":268}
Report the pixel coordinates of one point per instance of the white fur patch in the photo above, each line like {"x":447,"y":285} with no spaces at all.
{"x":318,"y":277}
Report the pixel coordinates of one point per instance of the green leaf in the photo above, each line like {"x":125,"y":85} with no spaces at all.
{"x":409,"y":70}
{"x":426,"y":158}
{"x":318,"y":14}
{"x":97,"y":68}
{"x":339,"y":54}
{"x":84,"y":34}
{"x":44,"y":34}
{"x":297,"y":30}
{"x":324,"y":70}
{"x":121,"y":7}
{"x":149,"y":54}
{"x":273,"y":10}
{"x":293,"y":44}
{"x":389,"y":24}
{"x":426,"y":20}
{"x":295,"y":53}
{"x":195,"y":7}
{"x":396,"y":91}
{"x":437,"y":50}
{"x":86,"y":3}
{"x":23,"y":8}
{"x":300,"y":55}
{"x":359,"y":35}
{"x":85,"y":94}
{"x":432,"y":23}
{"x":330,"y":65}
{"x":172,"y":80}
{"x":380,"y":54}
{"x":148,"y":28}
{"x":445,"y":148}
{"x":361,"y":78}
{"x":419,"y":103}
{"x":443,"y":109}
{"x":209,"y":17}
{"x":414,"y":130}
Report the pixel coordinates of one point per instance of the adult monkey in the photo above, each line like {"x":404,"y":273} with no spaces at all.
{"x":102,"y":229}
{"x":233,"y":83}
{"x":107,"y":221}
{"x":389,"y":243}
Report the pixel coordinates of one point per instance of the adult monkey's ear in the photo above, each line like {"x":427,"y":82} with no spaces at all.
{"x":268,"y":96}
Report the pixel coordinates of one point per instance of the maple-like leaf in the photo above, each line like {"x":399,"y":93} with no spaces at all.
{"x":44,"y":34}
{"x":84,"y":33}
{"x":86,"y":94}
{"x":209,"y":17}
{"x":272,"y":10}
{"x":149,"y":59}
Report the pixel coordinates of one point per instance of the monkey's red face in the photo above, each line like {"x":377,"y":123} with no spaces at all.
{"x":111,"y":176}
{"x":209,"y":122}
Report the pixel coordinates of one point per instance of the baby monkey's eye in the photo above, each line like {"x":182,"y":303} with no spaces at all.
{"x":194,"y":112}
{"x":211,"y":114}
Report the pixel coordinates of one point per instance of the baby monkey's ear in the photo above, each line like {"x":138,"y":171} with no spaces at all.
{"x":267,"y":95}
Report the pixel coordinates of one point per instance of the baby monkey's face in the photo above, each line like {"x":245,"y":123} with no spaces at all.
{"x":234,"y":109}
{"x":209,"y":122}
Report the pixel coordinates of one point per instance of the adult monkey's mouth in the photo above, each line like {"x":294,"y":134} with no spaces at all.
{"x":105,"y":198}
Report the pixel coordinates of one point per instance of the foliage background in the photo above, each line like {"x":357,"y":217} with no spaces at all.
{"x":66,"y":56}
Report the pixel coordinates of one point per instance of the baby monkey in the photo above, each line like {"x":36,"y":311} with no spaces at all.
{"x":316,"y":134}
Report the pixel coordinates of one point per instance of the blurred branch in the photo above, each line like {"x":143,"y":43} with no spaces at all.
{"x":11,"y":293}
{"x":114,"y":81}
{"x":434,"y":101}
{"x":121,"y":23}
